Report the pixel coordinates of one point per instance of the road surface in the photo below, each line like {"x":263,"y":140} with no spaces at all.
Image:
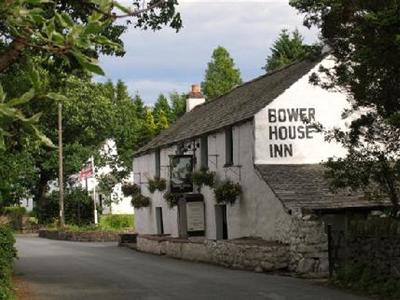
{"x":73,"y":270}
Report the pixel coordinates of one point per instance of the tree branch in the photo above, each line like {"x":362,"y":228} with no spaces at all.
{"x":134,"y":13}
{"x":12,"y":53}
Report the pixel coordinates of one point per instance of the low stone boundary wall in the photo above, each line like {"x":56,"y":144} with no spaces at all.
{"x":248,"y":254}
{"x":87,"y":236}
{"x":373,"y":243}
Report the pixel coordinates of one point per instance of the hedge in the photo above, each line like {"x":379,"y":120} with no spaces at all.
{"x":7,"y":254}
{"x":117,"y":222}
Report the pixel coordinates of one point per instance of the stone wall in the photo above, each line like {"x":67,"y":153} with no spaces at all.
{"x":372,"y":243}
{"x":248,"y":254}
{"x":89,"y":236}
{"x":308,"y":250}
{"x":19,"y":223}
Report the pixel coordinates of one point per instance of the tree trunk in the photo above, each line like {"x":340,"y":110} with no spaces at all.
{"x":41,"y":189}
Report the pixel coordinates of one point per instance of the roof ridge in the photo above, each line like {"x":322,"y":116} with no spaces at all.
{"x":251,"y":81}
{"x":242,"y":102}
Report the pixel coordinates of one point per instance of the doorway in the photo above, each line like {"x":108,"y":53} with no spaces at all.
{"x":221,"y":222}
{"x":159,"y":220}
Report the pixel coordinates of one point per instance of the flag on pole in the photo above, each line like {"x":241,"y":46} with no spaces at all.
{"x":86,"y":171}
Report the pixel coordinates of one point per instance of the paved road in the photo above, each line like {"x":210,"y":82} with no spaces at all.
{"x":72,"y":270}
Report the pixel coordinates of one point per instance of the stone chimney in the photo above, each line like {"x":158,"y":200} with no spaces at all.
{"x":194,"y":98}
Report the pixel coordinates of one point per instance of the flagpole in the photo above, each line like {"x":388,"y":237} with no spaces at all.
{"x":94,"y":192}
{"x":60,"y":167}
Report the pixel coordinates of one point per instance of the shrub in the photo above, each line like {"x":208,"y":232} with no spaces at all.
{"x":139,"y":201}
{"x":172,"y":198}
{"x":15,"y":214}
{"x":116,"y":221}
{"x":7,"y":254}
{"x":227,"y":192}
{"x":157,"y":183}
{"x":203,"y":177}
{"x":130,"y":189}
{"x":78,"y":207}
{"x":14,"y":210}
{"x":362,"y":278}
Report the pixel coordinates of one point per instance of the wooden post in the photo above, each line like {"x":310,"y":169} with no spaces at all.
{"x":60,"y":166}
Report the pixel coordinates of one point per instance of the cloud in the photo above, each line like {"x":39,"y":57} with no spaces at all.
{"x":150,"y":89}
{"x":166,"y":59}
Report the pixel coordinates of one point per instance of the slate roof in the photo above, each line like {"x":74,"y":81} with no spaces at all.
{"x":238,"y":105}
{"x":305,"y":186}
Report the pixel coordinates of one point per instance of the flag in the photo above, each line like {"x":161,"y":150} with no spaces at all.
{"x":86,"y":172}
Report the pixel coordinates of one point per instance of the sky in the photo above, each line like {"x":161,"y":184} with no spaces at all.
{"x":166,"y":61}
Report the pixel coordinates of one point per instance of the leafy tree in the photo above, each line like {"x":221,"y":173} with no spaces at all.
{"x":161,"y":105}
{"x":364,"y":38}
{"x":78,"y":207}
{"x":69,"y":35}
{"x":49,"y":48}
{"x":178,"y":105}
{"x":149,"y":129}
{"x":287,"y":49}
{"x":162,"y":122}
{"x":139,"y":107}
{"x":106,"y":186}
{"x":221,"y":75}
{"x":17,"y":175}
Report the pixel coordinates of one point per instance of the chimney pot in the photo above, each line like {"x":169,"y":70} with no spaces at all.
{"x":194,"y":98}
{"x":196,"y":88}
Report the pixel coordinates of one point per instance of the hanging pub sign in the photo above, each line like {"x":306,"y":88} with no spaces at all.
{"x":181,"y":169}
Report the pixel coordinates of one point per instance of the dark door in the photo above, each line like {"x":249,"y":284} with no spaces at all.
{"x":224,"y":223}
{"x":221,"y":222}
{"x":159,"y":220}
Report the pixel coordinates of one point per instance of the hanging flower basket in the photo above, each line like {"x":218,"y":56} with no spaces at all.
{"x":139,"y":201}
{"x":172,"y":198}
{"x":159,"y":184}
{"x":130,"y":189}
{"x":203,"y":177}
{"x":227,"y":192}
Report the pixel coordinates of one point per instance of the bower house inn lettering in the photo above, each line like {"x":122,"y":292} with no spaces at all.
{"x":261,"y":135}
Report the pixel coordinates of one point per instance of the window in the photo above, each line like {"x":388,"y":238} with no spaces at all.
{"x":204,"y":151}
{"x":228,"y":147}
{"x":158,"y":163}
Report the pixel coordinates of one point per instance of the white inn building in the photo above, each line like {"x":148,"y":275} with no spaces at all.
{"x":260,"y":136}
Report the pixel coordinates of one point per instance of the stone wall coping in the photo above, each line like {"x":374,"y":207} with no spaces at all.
{"x":248,"y":241}
{"x":245,"y":241}
{"x":82,"y":236}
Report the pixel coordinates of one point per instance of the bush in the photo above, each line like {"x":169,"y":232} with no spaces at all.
{"x":157,"y":183}
{"x":78,"y":207}
{"x":130,"y":189}
{"x":15,"y":214}
{"x":139,"y":201}
{"x":227,"y":192}
{"x":14,"y":210}
{"x":116,"y":221}
{"x":363,"y":278}
{"x":7,"y":254}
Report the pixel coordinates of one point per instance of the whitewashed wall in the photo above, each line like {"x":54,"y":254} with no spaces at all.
{"x":302,"y":145}
{"x":145,"y":218}
{"x":258,"y":211}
